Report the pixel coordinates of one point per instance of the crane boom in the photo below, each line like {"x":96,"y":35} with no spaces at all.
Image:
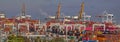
{"x":23,"y":9}
{"x":81,"y":10}
{"x":58,"y":11}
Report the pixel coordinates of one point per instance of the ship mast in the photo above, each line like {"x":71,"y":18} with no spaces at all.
{"x":58,"y":11}
{"x":81,"y":11}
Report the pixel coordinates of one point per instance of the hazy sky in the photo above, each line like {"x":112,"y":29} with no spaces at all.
{"x":43,"y":8}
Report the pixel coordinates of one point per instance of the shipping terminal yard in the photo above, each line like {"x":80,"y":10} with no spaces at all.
{"x":59,"y":28}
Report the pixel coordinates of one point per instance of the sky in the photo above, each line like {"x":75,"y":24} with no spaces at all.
{"x":39,"y":9}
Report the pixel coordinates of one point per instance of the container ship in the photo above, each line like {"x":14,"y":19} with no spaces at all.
{"x":59,"y":28}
